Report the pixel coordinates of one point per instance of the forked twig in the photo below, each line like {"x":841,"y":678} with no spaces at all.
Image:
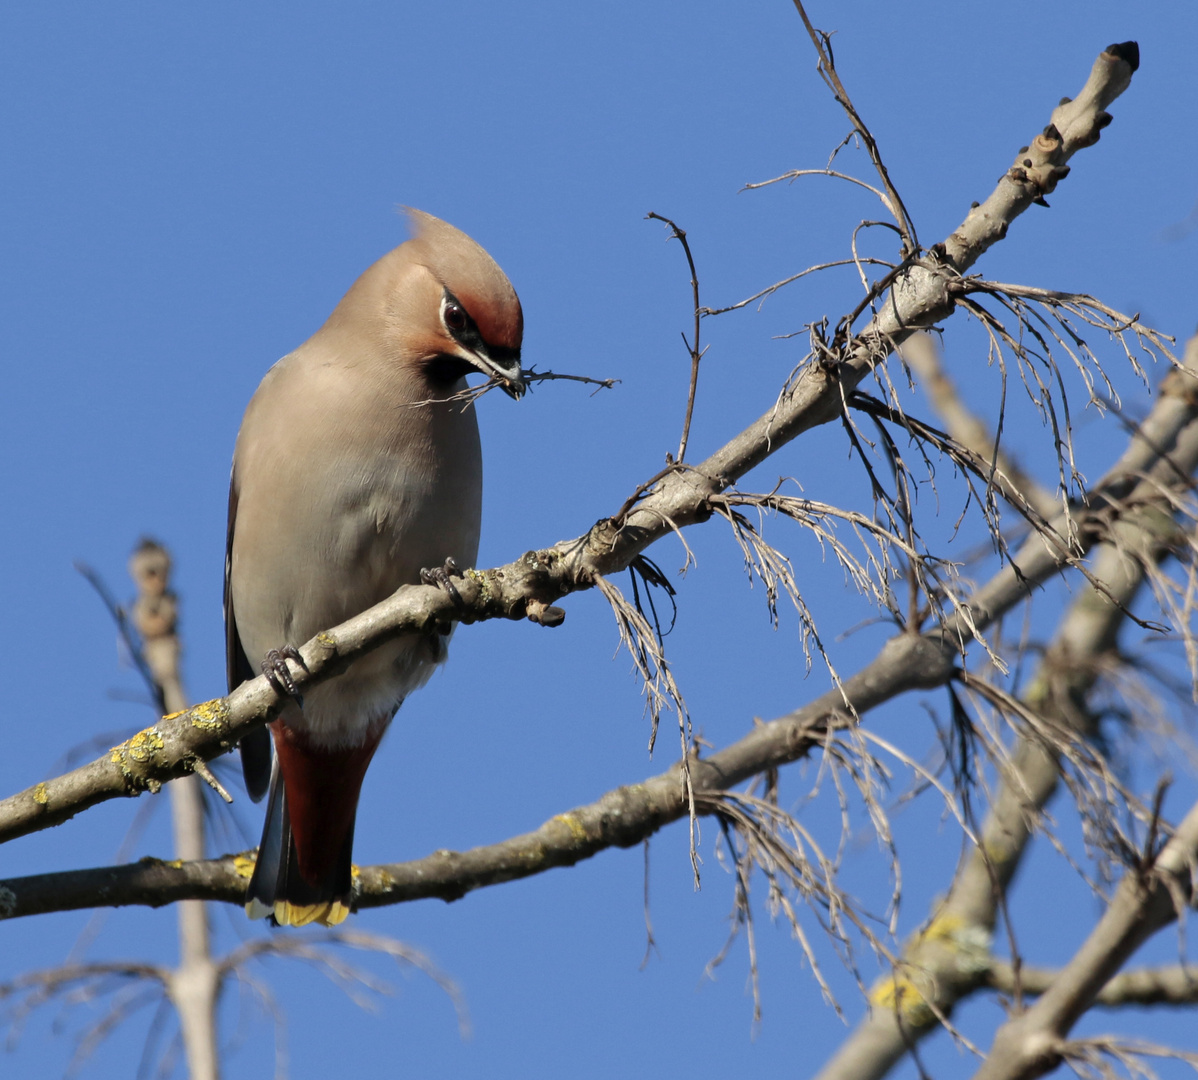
{"x":827,"y":71}
{"x":471,"y":394}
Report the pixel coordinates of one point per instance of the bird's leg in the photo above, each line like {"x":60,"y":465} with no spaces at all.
{"x":274,"y":667}
{"x":439,"y":576}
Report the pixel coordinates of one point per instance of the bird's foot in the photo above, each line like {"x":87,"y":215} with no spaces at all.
{"x":274,"y":667}
{"x":439,"y":577}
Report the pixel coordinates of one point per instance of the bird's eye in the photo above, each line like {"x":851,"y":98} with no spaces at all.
{"x":455,"y":317}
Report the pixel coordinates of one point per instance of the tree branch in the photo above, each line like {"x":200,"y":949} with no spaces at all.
{"x":1149,"y":897}
{"x":1141,"y":987}
{"x":950,"y":956}
{"x":827,"y":70}
{"x":1040,"y":166}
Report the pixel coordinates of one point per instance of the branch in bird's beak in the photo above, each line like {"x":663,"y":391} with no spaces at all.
{"x":515,"y":386}
{"x":508,"y":376}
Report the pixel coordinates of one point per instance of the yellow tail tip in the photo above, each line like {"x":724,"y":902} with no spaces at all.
{"x":328,"y":913}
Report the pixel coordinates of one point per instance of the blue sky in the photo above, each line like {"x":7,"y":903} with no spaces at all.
{"x":187,"y":193}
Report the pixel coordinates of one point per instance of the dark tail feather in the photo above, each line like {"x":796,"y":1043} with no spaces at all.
{"x":255,"y":762}
{"x":278,"y":889}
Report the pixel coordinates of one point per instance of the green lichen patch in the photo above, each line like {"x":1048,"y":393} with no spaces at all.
{"x":210,"y":715}
{"x":243,"y":864}
{"x":140,"y":749}
{"x":381,"y":881}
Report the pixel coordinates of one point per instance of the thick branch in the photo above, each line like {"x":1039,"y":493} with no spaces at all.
{"x":623,"y":817}
{"x":1039,"y":167}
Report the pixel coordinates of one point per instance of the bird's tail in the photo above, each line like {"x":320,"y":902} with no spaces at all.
{"x":304,"y":870}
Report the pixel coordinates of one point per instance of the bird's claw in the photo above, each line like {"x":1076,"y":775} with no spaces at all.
{"x":438,"y":576}
{"x":274,"y":667}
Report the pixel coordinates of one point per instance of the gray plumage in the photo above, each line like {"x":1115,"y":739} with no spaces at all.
{"x":351,"y":473}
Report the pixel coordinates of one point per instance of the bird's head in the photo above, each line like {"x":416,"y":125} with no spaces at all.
{"x":460,"y":312}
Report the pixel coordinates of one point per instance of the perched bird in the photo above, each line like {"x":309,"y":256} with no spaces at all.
{"x":353,"y":471}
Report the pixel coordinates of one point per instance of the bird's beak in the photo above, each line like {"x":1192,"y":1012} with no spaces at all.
{"x":507,"y":372}
{"x":513,"y":385}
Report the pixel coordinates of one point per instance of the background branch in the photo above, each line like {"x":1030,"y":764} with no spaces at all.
{"x":1149,"y":897}
{"x":193,"y":986}
{"x":1139,"y":987}
{"x":1024,"y":710}
{"x":949,"y":958}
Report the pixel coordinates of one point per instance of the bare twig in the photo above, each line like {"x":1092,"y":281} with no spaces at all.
{"x":692,"y":346}
{"x":471,"y":394}
{"x":827,"y":71}
{"x":923,"y":354}
{"x":531,"y":375}
{"x":770,"y":289}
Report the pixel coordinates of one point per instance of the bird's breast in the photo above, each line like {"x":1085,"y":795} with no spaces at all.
{"x":341,"y":502}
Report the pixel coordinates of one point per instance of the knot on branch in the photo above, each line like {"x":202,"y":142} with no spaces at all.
{"x":603,"y":538}
{"x":545,"y":614}
{"x":525,"y":589}
{"x":1038,"y":168}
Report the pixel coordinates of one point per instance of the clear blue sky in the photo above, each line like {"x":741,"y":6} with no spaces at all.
{"x":188,"y":190}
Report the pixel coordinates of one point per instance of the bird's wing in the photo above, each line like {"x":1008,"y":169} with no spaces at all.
{"x":255,"y":747}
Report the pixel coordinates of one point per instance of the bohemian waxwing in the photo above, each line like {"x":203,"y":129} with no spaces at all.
{"x":352,"y":472}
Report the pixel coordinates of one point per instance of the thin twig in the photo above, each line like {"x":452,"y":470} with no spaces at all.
{"x":827,"y":70}
{"x":692,"y":346}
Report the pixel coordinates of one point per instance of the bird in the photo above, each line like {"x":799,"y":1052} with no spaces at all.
{"x":357,"y":466}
